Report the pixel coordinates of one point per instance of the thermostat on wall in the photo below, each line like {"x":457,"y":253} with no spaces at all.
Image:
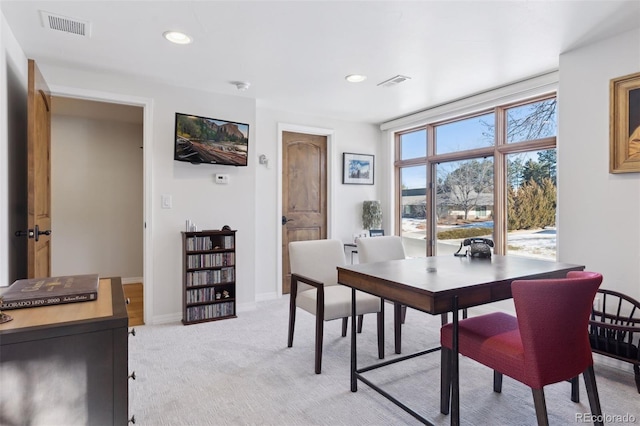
{"x":222,"y":179}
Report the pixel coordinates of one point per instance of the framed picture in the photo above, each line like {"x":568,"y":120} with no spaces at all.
{"x":624,"y":126}
{"x":357,"y":168}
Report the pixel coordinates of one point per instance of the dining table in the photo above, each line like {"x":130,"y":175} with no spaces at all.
{"x":439,"y":285}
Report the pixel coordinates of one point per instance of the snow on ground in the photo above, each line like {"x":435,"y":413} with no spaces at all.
{"x":539,"y":243}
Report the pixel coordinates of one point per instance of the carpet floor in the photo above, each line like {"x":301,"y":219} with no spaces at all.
{"x":240,"y":372}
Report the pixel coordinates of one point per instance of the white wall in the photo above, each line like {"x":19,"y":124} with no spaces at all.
{"x":96,"y":196}
{"x":13,"y":117}
{"x":192,"y":187}
{"x":247,"y":204}
{"x":345,"y":200}
{"x":598,"y":212}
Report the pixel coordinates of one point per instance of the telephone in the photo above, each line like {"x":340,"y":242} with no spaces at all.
{"x":478,"y":247}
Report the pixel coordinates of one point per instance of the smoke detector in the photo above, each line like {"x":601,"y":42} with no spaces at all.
{"x":394,"y":81}
{"x":65,"y":24}
{"x":241,"y":85}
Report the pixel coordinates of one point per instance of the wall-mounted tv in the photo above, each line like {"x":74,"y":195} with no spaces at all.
{"x":211,"y":141}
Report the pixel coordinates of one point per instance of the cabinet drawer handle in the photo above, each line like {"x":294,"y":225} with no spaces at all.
{"x":132,"y":420}
{"x":132,"y":375}
{"x":132,"y":332}
{"x":127,"y":300}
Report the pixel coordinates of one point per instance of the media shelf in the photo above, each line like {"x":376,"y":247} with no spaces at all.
{"x":209,"y":276}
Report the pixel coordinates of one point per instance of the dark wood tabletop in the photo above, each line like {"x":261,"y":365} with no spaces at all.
{"x":433,"y":285}
{"x":429,"y":283}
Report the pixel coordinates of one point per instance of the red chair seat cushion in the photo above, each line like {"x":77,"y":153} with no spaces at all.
{"x":493,"y":340}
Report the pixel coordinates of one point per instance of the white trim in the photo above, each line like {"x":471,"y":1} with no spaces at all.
{"x":535,"y":86}
{"x":147,"y":104}
{"x":331,"y":167}
{"x":388,"y":141}
{"x":263,"y":297}
{"x":166,"y":319}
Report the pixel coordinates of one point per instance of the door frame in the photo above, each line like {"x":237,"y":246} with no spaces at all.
{"x":332,"y":171}
{"x":147,"y":185}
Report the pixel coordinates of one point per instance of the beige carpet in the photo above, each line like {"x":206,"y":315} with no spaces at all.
{"x":240,"y":372}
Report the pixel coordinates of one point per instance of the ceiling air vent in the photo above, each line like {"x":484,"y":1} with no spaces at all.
{"x":65,"y":24}
{"x":394,"y":80}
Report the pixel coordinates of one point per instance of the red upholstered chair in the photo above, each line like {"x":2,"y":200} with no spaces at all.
{"x":548,"y":341}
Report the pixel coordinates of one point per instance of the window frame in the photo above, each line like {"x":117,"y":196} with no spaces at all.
{"x":499,"y":151}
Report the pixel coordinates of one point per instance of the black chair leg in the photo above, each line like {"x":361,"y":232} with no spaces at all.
{"x":319,"y":332}
{"x":592,"y":394}
{"x":445,"y":380}
{"x":497,"y":381}
{"x":636,"y":372}
{"x":541,"y":407}
{"x":345,"y":323}
{"x":292,"y":319}
{"x":360,"y":321}
{"x":575,"y":389}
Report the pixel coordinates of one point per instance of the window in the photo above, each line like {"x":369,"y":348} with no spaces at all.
{"x":412,"y":145}
{"x":490,"y":174}
{"x":413,"y":206}
{"x":464,"y":134}
{"x":463,"y":188}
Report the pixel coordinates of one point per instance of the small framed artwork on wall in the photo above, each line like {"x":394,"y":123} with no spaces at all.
{"x":357,"y":169}
{"x":624,"y":117}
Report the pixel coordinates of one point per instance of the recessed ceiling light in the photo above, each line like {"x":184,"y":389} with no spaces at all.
{"x":355,"y":78}
{"x":177,"y":37}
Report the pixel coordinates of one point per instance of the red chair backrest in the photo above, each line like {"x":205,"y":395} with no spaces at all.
{"x":553,"y":315}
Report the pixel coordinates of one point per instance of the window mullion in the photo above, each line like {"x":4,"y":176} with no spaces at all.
{"x":500,"y":184}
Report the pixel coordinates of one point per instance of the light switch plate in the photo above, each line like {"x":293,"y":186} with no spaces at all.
{"x":167,"y":201}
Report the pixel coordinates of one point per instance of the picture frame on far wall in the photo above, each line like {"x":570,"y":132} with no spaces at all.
{"x":358,"y":169}
{"x":624,"y":124}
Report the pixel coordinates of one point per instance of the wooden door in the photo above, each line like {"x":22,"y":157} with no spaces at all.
{"x":304,"y":193}
{"x":39,"y":174}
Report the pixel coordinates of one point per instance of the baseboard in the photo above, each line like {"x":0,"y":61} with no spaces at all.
{"x":262,"y":297}
{"x":166,"y":319}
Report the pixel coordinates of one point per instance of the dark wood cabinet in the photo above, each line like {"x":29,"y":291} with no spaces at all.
{"x":209,"y":276}
{"x":67,"y":364}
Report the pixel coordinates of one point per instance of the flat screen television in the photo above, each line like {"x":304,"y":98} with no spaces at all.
{"x":211,"y":141}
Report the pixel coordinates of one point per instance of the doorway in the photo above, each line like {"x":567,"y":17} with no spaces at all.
{"x":123,"y":104}
{"x":305,"y":189}
{"x":97,"y":189}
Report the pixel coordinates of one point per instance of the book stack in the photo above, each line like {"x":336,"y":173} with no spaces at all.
{"x":33,"y":292}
